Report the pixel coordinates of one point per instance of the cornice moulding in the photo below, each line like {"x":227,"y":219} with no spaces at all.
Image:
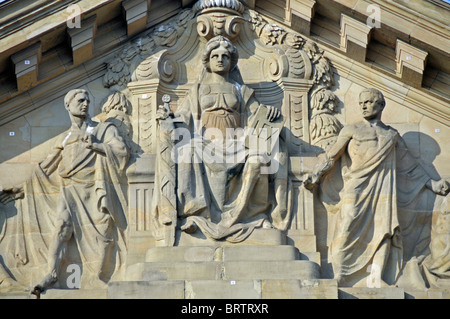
{"x":429,"y":105}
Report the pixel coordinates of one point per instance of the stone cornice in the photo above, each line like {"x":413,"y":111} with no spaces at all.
{"x":54,"y":88}
{"x":13,"y":20}
{"x":415,"y":99}
{"x":40,"y":20}
{"x":397,"y":16}
{"x":420,"y":100}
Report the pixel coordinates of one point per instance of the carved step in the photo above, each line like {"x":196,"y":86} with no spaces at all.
{"x":297,"y":269}
{"x":300,"y":289}
{"x":259,"y":236}
{"x":372,"y":293}
{"x":228,"y":270}
{"x":74,"y":294}
{"x":431,"y":293}
{"x":17,"y":295}
{"x":226,"y":253}
{"x":173,"y":289}
{"x":260,"y":253}
{"x":225,"y":289}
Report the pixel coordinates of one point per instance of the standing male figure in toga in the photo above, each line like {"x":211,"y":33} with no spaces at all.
{"x":87,"y":166}
{"x":375,"y":161}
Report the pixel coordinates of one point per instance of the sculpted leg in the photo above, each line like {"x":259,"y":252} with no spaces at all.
{"x":374,"y":280}
{"x":57,"y":252}
{"x":251,"y":175}
{"x":280,"y":215}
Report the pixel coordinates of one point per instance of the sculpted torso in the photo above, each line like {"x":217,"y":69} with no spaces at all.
{"x":364,"y":139}
{"x":219,"y":104}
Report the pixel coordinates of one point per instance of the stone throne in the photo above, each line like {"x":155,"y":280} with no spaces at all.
{"x":284,"y":71}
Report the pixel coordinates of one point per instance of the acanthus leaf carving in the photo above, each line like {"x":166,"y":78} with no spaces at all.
{"x":122,"y":68}
{"x":296,"y":58}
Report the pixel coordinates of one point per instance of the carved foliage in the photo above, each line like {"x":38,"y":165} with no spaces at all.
{"x":324,"y":127}
{"x":143,"y":60}
{"x":135,"y":62}
{"x":271,"y":34}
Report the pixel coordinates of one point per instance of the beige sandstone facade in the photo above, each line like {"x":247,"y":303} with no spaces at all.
{"x":170,"y":228}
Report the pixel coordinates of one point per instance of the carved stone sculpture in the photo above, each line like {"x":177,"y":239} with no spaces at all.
{"x":77,"y":191}
{"x":221,"y":187}
{"x":437,"y":264}
{"x":374,"y":160}
{"x":244,"y":172}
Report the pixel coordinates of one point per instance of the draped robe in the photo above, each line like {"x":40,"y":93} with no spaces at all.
{"x":225,"y":199}
{"x":379,"y":177}
{"x":90,"y":187}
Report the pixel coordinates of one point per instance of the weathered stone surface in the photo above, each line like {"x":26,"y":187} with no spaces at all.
{"x":258,"y":253}
{"x":297,"y":269}
{"x":180,"y":253}
{"x":299,"y":289}
{"x":17,"y":296}
{"x":371,"y":293}
{"x":215,"y":230}
{"x":146,"y":290}
{"x":223,"y":289}
{"x":257,"y":237}
{"x":74,"y":294}
{"x":183,"y":271}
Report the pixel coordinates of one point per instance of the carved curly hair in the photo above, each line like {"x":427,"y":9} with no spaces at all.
{"x":213,"y":44}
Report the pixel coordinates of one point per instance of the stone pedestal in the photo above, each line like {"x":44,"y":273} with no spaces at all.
{"x":372,"y":293}
{"x":257,"y":237}
{"x":223,"y":270}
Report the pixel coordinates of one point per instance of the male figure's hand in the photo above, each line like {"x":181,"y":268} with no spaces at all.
{"x":93,"y":144}
{"x":10,"y":194}
{"x":441,"y":187}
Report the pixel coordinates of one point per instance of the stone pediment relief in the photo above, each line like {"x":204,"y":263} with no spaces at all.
{"x":171,"y":201}
{"x":286,"y":69}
